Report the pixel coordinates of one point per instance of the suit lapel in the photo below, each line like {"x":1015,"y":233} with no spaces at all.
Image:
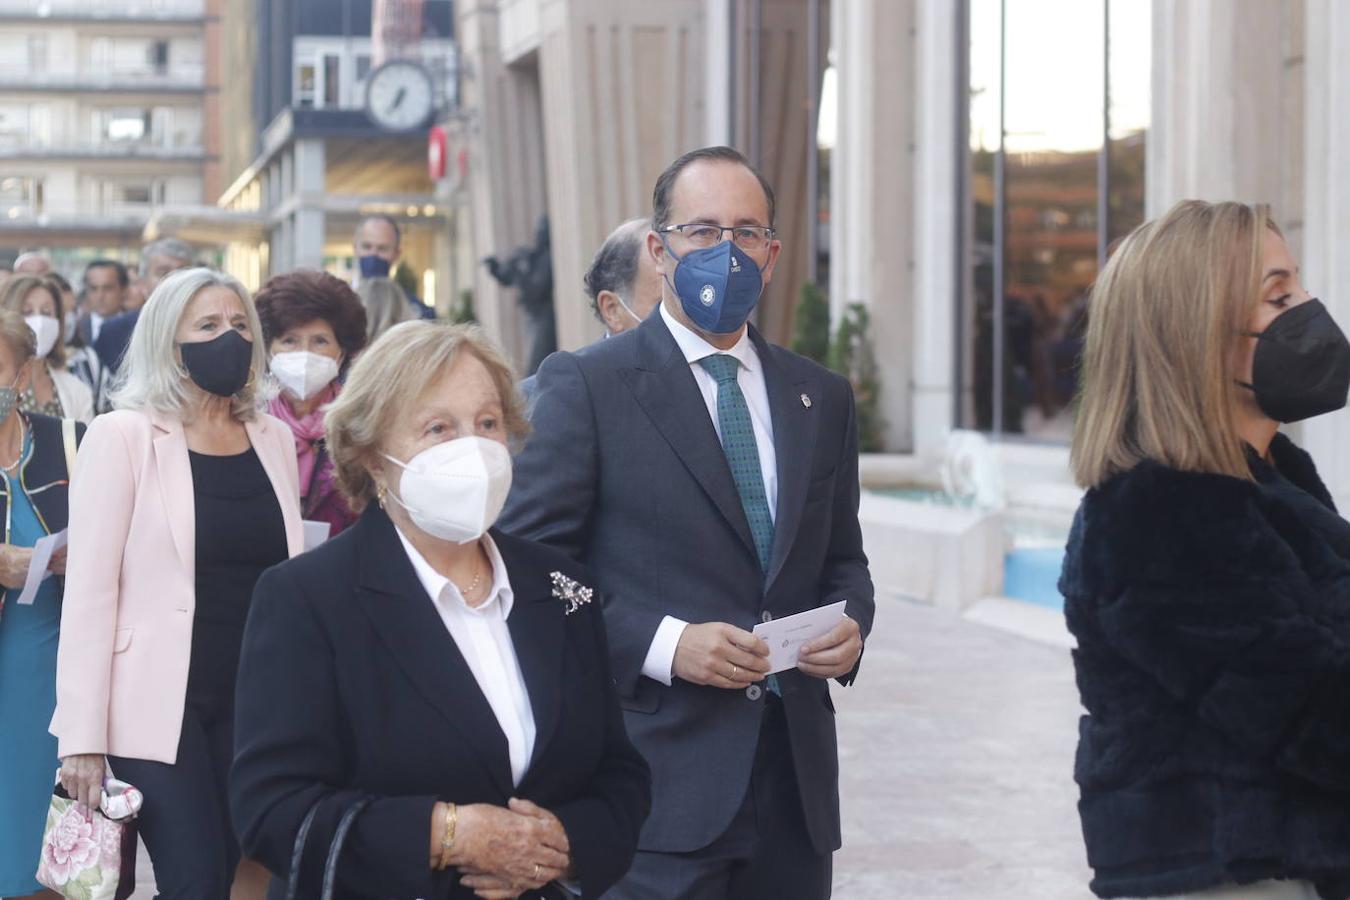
{"x":406,"y":620}
{"x":536,"y":625}
{"x":175,"y":485}
{"x":794,"y":445}
{"x":665,"y":388}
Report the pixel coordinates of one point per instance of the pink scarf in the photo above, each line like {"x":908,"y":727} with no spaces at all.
{"x":307,"y":430}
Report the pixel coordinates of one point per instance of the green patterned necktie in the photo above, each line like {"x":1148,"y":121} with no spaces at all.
{"x":738,"y":442}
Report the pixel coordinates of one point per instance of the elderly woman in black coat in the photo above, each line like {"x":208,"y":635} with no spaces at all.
{"x":1208,"y":574}
{"x":453,"y":677}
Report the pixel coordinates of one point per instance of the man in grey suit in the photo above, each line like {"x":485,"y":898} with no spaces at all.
{"x":709,"y":480}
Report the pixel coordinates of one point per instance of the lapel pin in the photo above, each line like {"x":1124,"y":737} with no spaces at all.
{"x":806,"y":401}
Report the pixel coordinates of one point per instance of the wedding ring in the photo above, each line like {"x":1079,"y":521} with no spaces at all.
{"x":536,"y":871}
{"x":734,"y":669}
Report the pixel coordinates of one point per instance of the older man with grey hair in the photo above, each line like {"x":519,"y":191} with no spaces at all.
{"x":160,"y":258}
{"x":622,"y":280}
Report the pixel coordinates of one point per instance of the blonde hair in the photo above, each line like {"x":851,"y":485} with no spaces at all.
{"x":386,"y":305}
{"x":1165,"y":321}
{"x":389,"y":378}
{"x":17,"y":336}
{"x":16,"y":289}
{"x":153,"y":378}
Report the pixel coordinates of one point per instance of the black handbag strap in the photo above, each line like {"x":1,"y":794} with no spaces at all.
{"x":334,"y":850}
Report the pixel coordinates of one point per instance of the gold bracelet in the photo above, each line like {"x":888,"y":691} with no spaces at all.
{"x":448,"y":838}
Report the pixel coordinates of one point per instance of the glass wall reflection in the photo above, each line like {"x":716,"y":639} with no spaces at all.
{"x":1053,"y":180}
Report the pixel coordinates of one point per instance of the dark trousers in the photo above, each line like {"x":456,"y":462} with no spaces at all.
{"x":765,"y":854}
{"x":185,"y":819}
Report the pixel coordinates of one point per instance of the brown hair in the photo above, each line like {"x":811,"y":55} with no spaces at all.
{"x":1165,"y":321}
{"x":300,"y":297}
{"x":15,"y":290}
{"x":389,"y":377}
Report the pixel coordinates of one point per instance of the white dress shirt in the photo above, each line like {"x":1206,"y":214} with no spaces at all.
{"x":95,"y":326}
{"x":660,"y":657}
{"x":483,"y":638}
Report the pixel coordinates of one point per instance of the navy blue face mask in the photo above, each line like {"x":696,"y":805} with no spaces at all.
{"x":373,"y":266}
{"x":718,"y":286}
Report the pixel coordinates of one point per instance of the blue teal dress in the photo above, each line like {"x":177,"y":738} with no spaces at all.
{"x":28,"y":762}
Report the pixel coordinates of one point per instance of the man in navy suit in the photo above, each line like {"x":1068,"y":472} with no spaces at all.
{"x":709,"y":481}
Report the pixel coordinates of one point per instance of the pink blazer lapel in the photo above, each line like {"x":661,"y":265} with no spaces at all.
{"x":175,"y":485}
{"x":278,"y":461}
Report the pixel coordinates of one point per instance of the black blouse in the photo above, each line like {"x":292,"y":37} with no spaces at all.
{"x":240,"y":533}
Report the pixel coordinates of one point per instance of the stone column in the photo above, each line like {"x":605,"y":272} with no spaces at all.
{"x":1228,"y":89}
{"x":936,"y":279}
{"x":1326,"y":254}
{"x":872,"y":192}
{"x":308,"y":219}
{"x":506,"y":162}
{"x":622,"y":89}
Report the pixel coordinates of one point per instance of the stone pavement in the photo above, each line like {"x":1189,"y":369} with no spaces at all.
{"x":956,"y":759}
{"x":956,"y":754}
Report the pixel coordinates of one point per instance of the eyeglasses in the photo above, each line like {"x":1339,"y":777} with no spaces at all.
{"x":703,"y":235}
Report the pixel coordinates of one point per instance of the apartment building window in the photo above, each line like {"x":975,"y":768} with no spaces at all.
{"x":158,"y":57}
{"x":21,"y":195}
{"x":125,"y":125}
{"x":305,"y":78}
{"x":332,"y":67}
{"x":37,"y":53}
{"x":123,"y":194}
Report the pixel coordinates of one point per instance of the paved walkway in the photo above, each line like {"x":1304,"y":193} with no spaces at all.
{"x":956,"y":752}
{"x":956,"y":755}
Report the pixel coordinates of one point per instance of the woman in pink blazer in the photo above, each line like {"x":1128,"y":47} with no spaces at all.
{"x":179,"y":500}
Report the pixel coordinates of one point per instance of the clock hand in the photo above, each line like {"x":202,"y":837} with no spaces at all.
{"x":398,"y":99}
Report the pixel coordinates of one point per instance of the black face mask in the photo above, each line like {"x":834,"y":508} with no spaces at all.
{"x":221,"y":365}
{"x":1302,"y":365}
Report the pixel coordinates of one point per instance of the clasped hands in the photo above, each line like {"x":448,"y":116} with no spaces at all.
{"x":501,"y":852}
{"x":724,"y":656}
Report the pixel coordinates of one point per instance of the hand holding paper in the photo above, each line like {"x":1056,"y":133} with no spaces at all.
{"x":37,"y":566}
{"x":789,"y":637}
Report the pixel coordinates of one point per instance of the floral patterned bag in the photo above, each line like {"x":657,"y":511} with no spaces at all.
{"x":91,"y":856}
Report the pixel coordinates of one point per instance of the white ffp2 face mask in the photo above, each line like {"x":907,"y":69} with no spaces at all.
{"x":456,"y":490}
{"x":46,"y":329}
{"x":303,"y":374}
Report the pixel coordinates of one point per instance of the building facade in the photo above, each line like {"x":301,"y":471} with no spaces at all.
{"x":302,"y":159}
{"x":104,"y":106}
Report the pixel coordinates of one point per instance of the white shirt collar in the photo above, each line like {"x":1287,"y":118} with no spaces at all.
{"x":438,"y":586}
{"x":695,"y":347}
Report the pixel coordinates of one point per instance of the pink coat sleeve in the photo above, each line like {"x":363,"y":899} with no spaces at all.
{"x":102,"y":499}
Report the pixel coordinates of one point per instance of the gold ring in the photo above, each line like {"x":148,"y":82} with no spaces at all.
{"x":536,"y":871}
{"x":734,"y":669}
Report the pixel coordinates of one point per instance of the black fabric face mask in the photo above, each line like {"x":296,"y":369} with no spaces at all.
{"x":221,"y":365}
{"x":1302,"y":365}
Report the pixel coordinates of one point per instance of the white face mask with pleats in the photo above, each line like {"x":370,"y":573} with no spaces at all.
{"x":46,"y":329}
{"x":456,"y":490}
{"x":303,"y":374}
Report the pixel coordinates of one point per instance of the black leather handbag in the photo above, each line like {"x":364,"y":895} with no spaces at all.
{"x":334,"y":850}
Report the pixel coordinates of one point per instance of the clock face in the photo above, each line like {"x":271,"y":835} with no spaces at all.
{"x":399,"y":96}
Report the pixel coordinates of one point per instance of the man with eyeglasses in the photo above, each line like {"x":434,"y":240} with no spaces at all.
{"x":709,"y":480}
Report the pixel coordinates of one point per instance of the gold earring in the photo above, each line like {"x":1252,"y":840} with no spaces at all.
{"x":380,"y":494}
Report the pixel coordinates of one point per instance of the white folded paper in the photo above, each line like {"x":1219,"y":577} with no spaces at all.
{"x":315,"y":533}
{"x":785,"y":636}
{"x":37,"y":566}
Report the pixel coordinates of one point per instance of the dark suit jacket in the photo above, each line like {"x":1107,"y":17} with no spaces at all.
{"x":114,"y":337}
{"x":349,"y":683}
{"x":624,"y":472}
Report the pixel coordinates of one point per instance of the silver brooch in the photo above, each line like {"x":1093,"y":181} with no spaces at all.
{"x":570,"y":592}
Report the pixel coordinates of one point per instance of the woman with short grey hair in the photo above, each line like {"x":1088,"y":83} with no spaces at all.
{"x":179,"y":500}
